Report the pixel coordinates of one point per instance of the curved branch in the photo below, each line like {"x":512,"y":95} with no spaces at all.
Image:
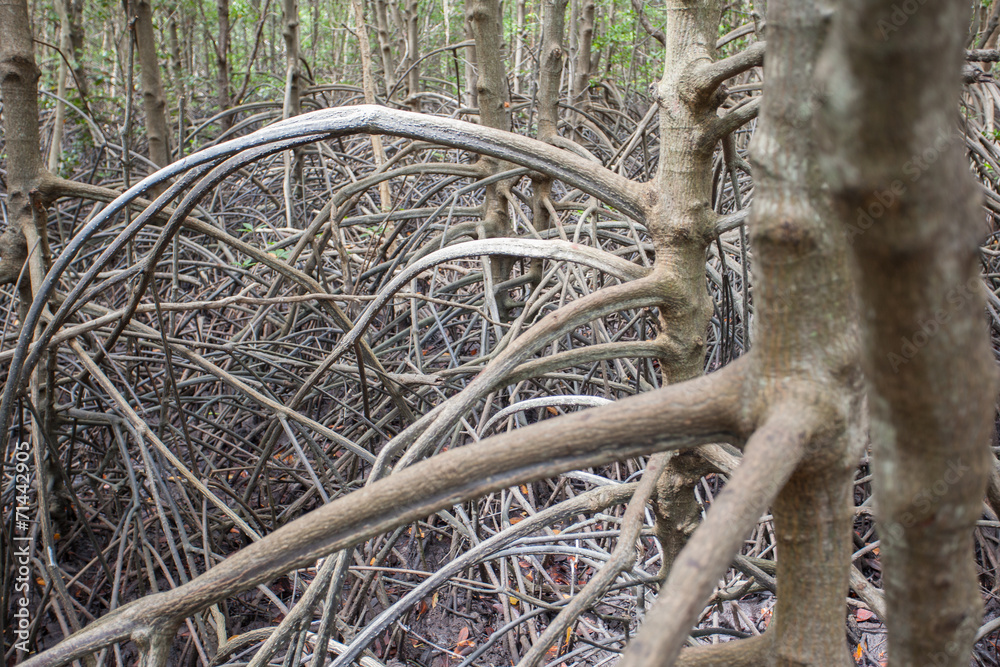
{"x":752,"y":652}
{"x":706,"y":78}
{"x":639,"y":293}
{"x":647,"y":25}
{"x":772,"y":454}
{"x":542,"y":402}
{"x":555,"y":250}
{"x":524,"y":371}
{"x":622,"y":559}
{"x":704,"y":410}
{"x":735,"y":119}
{"x":592,"y":178}
{"x":592,"y":501}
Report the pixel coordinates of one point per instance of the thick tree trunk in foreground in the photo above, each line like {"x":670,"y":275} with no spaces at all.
{"x":903,"y":191}
{"x":804,"y":369}
{"x":807,"y":331}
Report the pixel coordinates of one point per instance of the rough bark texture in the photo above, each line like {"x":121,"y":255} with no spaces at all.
{"x":385,"y":44}
{"x":491,"y":84}
{"x":682,"y":226}
{"x":551,"y":67}
{"x":18,"y":84}
{"x":807,"y":333}
{"x":804,"y":367}
{"x":901,"y":185}
{"x":486,"y":20}
{"x":153,"y":100}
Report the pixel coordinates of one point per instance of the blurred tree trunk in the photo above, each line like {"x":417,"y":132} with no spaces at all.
{"x":177,"y":65}
{"x":472,"y":98}
{"x":63,"y":9}
{"x":412,"y":16}
{"x":550,"y":70}
{"x":519,"y":32}
{"x":900,"y":181}
{"x":76,"y":37}
{"x":222,"y":62}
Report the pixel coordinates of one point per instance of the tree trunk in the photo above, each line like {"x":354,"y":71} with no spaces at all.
{"x":76,"y":37}
{"x":385,"y":45}
{"x":222,"y":62}
{"x":153,"y":100}
{"x":411,"y":23}
{"x":19,"y":86}
{"x":486,"y":19}
{"x":804,"y":289}
{"x":63,"y":8}
{"x":177,"y":65}
{"x":25,"y":259}
{"x":551,"y":67}
{"x":682,"y":227}
{"x":519,"y":45}
{"x":471,"y":58}
{"x":580,"y":90}
{"x":901,"y":185}
{"x":368,"y":86}
{"x":293,"y":73}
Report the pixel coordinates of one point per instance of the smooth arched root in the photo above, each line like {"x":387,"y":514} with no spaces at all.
{"x":702,"y":411}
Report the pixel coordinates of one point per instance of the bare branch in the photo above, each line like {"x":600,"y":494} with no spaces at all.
{"x":684,"y":415}
{"x":772,"y":454}
{"x":708,"y":77}
{"x":647,"y":25}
